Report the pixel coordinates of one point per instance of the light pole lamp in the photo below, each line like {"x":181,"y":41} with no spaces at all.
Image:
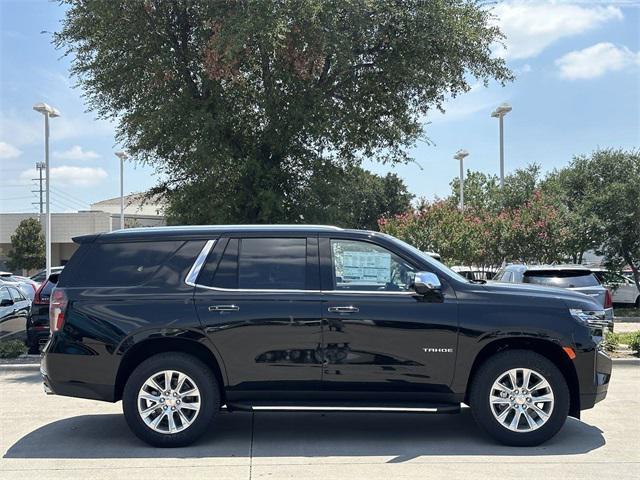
{"x":122,"y":156}
{"x":460,"y":155}
{"x":499,"y":113}
{"x":48,"y":112}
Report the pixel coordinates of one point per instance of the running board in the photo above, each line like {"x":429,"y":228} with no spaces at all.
{"x":333,"y":408}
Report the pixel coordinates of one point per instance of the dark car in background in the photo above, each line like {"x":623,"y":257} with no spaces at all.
{"x":572,"y":277}
{"x":179,"y":321}
{"x":42,"y":274}
{"x":38,"y":320}
{"x":14,"y":309}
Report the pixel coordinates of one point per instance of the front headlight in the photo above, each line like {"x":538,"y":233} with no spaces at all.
{"x":594,"y":319}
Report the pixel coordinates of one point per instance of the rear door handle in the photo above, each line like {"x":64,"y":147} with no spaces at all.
{"x":224,"y":308}
{"x":344,"y":309}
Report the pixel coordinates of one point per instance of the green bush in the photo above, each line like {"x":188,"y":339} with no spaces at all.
{"x":12,"y":348}
{"x":611,"y":341}
{"x":634,"y":343}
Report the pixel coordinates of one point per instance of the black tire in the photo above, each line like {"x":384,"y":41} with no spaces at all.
{"x":489,"y":372}
{"x":209,"y":398}
{"x":638,"y":302}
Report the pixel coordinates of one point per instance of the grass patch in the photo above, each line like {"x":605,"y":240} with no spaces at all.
{"x":626,"y":312}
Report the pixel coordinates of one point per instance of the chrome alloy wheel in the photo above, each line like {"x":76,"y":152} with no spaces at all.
{"x":521,"y":400}
{"x":169,"y":401}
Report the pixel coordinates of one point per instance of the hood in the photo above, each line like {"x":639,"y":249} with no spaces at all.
{"x":571,"y":298}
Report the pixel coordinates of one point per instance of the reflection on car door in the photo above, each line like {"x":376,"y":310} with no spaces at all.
{"x":379,"y":335}
{"x":13,"y":314}
{"x":259,"y":301}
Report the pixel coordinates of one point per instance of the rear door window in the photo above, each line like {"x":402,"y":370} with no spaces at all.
{"x":16,"y":295}
{"x":561,"y":278}
{"x":272,"y":263}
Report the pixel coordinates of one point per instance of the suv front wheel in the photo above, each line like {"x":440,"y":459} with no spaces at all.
{"x":520,"y":398}
{"x":170,"y":399}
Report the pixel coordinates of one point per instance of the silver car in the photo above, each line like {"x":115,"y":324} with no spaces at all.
{"x":571,"y":277}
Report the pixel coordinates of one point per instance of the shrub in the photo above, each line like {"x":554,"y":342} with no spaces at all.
{"x":611,"y":341}
{"x":12,"y":348}
{"x":634,"y":343}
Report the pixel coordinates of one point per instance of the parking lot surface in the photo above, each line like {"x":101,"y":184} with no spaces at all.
{"x":56,"y":437}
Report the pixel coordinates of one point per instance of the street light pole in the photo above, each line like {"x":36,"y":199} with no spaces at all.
{"x":460,"y":155}
{"x":499,"y":113}
{"x":48,"y":112}
{"x":121,"y":155}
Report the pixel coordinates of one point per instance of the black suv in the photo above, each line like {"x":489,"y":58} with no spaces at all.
{"x":179,"y":321}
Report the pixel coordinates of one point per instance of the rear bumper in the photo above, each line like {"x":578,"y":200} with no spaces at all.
{"x":601,"y":376}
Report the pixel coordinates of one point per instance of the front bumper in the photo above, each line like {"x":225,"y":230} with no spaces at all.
{"x":601,"y":376}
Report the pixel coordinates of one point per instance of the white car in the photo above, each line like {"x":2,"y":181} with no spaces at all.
{"x":623,"y":290}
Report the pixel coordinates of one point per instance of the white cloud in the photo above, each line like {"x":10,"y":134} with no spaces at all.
{"x":596,"y":60}
{"x":530,"y":27}
{"x":9,"y":151}
{"x":76,"y":153}
{"x":71,"y":176}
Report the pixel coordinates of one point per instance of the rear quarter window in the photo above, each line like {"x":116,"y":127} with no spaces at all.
{"x":119,"y":264}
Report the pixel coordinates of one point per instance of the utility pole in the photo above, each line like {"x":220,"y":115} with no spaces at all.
{"x":40,"y":166}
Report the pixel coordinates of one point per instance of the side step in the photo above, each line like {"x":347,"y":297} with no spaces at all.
{"x":445,"y":408}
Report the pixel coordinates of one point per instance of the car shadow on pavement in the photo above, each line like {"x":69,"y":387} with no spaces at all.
{"x":278,"y":434}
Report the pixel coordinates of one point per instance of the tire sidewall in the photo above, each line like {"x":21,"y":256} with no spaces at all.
{"x":495,"y":367}
{"x":199,"y":373}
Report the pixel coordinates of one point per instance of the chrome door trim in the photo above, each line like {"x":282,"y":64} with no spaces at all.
{"x":192,"y":276}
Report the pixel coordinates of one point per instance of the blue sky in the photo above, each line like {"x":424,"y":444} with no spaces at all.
{"x":577,"y":89}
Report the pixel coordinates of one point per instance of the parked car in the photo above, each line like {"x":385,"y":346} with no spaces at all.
{"x":14,"y":309}
{"x":572,"y":277}
{"x":38,"y":320}
{"x":474,"y":273}
{"x":624,"y":290}
{"x":26,"y":285}
{"x":177,"y":321}
{"x":41,"y":276}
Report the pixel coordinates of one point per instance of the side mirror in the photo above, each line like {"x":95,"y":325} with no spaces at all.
{"x":426,"y":282}
{"x":6,"y":302}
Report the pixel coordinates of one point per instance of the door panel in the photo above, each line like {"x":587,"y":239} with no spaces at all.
{"x":379,"y":335}
{"x":270,"y":338}
{"x":396,"y":343}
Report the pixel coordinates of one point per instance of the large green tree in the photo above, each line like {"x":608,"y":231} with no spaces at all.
{"x":244,"y":101}
{"x":27,"y":246}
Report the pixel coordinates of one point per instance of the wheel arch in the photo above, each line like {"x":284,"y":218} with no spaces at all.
{"x":144,"y":349}
{"x":546,"y":348}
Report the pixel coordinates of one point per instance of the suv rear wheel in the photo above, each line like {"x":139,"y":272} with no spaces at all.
{"x":520,"y":398}
{"x":170,"y":399}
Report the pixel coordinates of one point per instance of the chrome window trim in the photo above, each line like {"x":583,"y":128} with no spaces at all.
{"x":192,"y":276}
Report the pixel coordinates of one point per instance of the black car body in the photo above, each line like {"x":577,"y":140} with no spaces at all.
{"x":14,"y":309}
{"x":299,"y":317}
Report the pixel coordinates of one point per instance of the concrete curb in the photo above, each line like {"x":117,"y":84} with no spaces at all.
{"x":626,"y":320}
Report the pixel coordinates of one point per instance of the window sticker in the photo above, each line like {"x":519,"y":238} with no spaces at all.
{"x":366,"y":267}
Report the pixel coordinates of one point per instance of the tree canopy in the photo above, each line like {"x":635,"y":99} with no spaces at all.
{"x":27,"y":246}
{"x":592,"y":204}
{"x":247,"y":101}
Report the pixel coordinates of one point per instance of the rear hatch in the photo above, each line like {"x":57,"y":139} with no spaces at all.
{"x":578,"y":280}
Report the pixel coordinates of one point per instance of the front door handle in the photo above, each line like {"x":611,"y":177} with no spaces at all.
{"x":344,"y":309}
{"x":224,"y":308}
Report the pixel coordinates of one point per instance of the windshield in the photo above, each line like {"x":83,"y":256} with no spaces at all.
{"x":427,"y":258}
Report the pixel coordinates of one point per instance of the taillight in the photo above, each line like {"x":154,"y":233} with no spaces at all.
{"x":37,"y":299}
{"x":57,"y":307}
{"x":608,"y":299}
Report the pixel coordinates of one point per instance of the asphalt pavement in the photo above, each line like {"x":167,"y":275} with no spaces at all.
{"x":44,"y":437}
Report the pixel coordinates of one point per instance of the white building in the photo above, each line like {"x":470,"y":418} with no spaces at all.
{"x":104,"y":216}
